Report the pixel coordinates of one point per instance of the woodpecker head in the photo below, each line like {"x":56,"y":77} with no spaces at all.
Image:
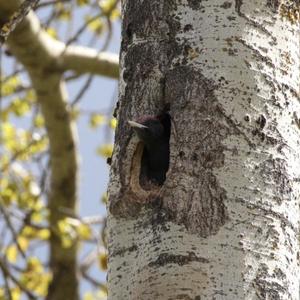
{"x":148,"y":128}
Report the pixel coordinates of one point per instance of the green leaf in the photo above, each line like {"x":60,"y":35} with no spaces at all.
{"x":84,"y":231}
{"x":39,"y":121}
{"x":105,"y":150}
{"x":96,"y":120}
{"x":11,"y":253}
{"x":19,"y":107}
{"x":10,"y":85}
{"x":113,"y":123}
{"x":107,"y":6}
{"x":52,"y":32}
{"x":102,"y":260}
{"x":35,"y":278}
{"x":95,"y":25}
{"x":104,"y":198}
{"x":82,"y":2}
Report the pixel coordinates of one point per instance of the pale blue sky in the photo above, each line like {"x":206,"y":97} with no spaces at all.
{"x":94,"y":171}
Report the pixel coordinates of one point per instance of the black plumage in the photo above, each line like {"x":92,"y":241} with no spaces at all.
{"x":155,"y":134}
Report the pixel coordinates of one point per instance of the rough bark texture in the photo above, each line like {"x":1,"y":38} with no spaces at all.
{"x":225,"y":223}
{"x":16,"y":18}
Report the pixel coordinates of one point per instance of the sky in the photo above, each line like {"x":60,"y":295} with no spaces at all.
{"x":94,"y":171}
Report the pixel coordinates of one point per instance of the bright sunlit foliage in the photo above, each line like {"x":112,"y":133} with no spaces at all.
{"x":25,"y":159}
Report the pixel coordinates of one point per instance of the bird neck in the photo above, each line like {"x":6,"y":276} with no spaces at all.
{"x":152,"y":145}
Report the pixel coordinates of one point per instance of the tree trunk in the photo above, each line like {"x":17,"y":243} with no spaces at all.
{"x":225,"y":223}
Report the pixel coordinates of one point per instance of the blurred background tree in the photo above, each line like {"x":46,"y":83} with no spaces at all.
{"x":51,"y":246}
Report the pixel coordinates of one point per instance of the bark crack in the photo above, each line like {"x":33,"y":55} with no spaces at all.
{"x":238,"y":9}
{"x":167,"y":258}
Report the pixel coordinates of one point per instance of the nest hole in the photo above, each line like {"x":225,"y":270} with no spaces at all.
{"x":148,"y":179}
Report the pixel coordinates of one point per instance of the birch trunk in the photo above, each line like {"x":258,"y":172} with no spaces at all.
{"x":225,"y":223}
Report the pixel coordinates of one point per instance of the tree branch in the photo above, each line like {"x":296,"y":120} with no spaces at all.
{"x":46,"y":59}
{"x":8,"y":274}
{"x":86,"y":60}
{"x":16,"y":18}
{"x":39,"y":54}
{"x":51,"y":53}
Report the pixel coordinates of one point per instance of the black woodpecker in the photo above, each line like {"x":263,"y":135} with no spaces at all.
{"x":155,"y":135}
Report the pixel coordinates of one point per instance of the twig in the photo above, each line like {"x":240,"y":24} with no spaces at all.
{"x":81,"y":30}
{"x":84,"y":26}
{"x":17,"y":154}
{"x":49,"y":3}
{"x":93,"y":281}
{"x":83,"y":90}
{"x":10,"y":226}
{"x":7,"y":273}
{"x":7,"y":288}
{"x":1,"y":84}
{"x":92,"y":220}
{"x":14,"y":73}
{"x":91,"y":76}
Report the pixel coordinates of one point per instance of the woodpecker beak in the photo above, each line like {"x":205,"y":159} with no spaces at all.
{"x":136,"y":125}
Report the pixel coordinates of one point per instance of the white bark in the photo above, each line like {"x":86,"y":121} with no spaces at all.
{"x":53,"y":53}
{"x":229,"y":221}
{"x":86,"y":60}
